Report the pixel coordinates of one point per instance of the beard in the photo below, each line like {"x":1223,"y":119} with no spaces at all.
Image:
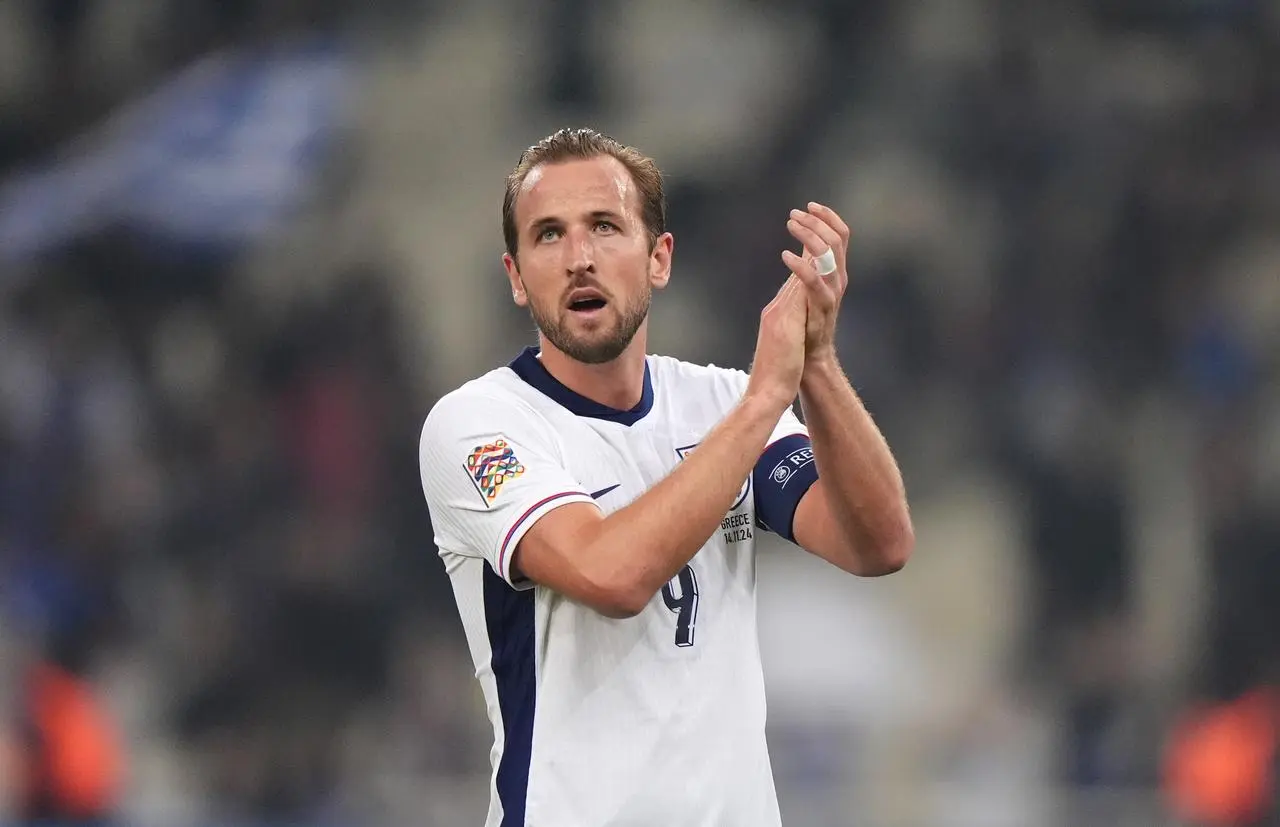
{"x":599,"y":346}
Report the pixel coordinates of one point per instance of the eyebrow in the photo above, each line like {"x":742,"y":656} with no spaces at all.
{"x":551,"y":222}
{"x":537,"y":226}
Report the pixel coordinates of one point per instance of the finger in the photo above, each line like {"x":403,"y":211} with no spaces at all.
{"x":831,"y":218}
{"x":803,"y":270}
{"x":793,"y":290}
{"x":828,"y":234}
{"x":840,"y":278}
{"x":777,"y":297}
{"x":784,"y":292}
{"x":796,"y":299}
{"x":814,"y":244}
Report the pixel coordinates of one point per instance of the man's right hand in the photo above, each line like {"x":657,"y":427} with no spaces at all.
{"x":779,"y":358}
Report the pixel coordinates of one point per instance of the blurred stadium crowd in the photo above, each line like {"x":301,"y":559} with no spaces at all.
{"x":244,"y":246}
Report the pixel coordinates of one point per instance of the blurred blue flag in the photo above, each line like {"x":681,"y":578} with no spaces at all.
{"x":214,"y":157}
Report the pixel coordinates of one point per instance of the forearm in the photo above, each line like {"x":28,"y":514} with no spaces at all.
{"x":646,"y":543}
{"x":859,"y":475}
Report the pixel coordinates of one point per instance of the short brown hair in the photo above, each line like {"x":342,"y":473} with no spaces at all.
{"x":583,"y":144}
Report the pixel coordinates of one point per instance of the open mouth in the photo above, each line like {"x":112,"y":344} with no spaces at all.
{"x":587,"y":304}
{"x":586,"y":301}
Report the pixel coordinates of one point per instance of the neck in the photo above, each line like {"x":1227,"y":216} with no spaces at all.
{"x":618,"y":384}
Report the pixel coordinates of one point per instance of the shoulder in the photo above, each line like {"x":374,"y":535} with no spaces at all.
{"x":687,"y":377}
{"x":679,"y":370}
{"x":484,"y":403}
{"x":475,"y":395}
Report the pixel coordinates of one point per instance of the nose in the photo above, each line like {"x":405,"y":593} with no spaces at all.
{"x":580,"y":255}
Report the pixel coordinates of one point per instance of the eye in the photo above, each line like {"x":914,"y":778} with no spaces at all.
{"x":603,"y":226}
{"x":548,"y":235}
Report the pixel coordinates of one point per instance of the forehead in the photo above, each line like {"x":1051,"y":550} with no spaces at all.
{"x":579,"y":186}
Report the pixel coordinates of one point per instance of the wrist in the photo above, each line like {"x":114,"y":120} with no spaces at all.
{"x":821,"y":367}
{"x":766,"y":405}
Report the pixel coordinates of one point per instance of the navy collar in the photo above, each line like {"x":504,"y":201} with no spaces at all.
{"x":530,"y":368}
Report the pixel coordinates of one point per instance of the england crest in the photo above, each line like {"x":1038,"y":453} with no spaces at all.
{"x":746,"y":486}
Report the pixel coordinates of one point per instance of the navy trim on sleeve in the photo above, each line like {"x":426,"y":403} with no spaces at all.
{"x":782,"y":475}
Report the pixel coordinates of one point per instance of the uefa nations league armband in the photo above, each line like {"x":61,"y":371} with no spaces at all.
{"x":781,"y":477}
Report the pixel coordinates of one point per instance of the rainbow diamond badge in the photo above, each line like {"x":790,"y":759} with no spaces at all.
{"x":490,"y":465}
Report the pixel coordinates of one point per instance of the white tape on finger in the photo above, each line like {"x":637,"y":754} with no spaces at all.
{"x":825,"y":264}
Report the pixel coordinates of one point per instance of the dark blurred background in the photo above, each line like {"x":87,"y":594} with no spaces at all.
{"x":245,"y":245}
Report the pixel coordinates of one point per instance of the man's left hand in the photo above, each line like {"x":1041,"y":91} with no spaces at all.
{"x":819,"y":229}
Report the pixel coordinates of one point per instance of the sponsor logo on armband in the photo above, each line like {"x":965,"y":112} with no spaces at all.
{"x":790,"y":464}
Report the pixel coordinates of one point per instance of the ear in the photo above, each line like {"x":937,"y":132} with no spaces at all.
{"x":660,"y":261}
{"x":517,"y":284}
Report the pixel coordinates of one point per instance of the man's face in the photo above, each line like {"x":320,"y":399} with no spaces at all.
{"x":586,"y":269}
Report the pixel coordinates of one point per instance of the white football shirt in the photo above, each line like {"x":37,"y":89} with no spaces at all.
{"x":655,"y":719}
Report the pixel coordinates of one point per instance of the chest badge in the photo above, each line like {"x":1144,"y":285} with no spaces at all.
{"x":742,"y":493}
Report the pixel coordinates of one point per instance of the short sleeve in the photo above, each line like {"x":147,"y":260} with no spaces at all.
{"x":490,"y":471}
{"x":783,"y":475}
